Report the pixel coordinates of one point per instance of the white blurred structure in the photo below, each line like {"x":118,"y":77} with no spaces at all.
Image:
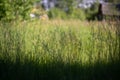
{"x":32,"y":15}
{"x":88,"y":3}
{"x":47,"y":4}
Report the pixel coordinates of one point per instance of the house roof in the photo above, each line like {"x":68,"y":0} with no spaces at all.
{"x":111,"y":9}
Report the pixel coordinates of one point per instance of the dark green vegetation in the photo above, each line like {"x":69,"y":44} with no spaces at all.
{"x":15,"y":9}
{"x":59,"y":50}
{"x":11,"y":10}
{"x":74,"y":13}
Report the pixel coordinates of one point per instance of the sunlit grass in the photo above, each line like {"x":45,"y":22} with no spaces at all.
{"x":58,"y":45}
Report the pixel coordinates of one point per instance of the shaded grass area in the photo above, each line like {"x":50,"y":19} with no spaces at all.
{"x":59,"y":50}
{"x":58,"y":71}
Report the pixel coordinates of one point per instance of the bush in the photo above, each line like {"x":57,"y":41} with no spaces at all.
{"x":14,"y":9}
{"x":57,"y":13}
{"x":60,"y":14}
{"x":77,"y":14}
{"x":91,"y":13}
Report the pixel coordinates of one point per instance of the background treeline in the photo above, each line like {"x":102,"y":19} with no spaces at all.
{"x":75,"y":12}
{"x":67,"y":9}
{"x":19,"y":10}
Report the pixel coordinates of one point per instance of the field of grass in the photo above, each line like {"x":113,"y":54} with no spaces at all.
{"x":59,"y":50}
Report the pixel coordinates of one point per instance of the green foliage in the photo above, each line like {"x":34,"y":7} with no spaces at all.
{"x":91,"y":13}
{"x":77,"y":14}
{"x":2,"y":9}
{"x":57,"y":13}
{"x":69,"y":6}
{"x":14,"y":9}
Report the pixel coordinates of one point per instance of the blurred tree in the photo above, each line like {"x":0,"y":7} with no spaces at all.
{"x":14,"y":9}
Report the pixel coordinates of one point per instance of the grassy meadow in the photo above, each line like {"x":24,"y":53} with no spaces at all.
{"x":60,"y":50}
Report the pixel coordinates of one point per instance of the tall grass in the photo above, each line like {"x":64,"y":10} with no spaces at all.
{"x":59,"y":50}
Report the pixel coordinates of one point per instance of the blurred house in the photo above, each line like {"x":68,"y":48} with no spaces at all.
{"x":111,"y":9}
